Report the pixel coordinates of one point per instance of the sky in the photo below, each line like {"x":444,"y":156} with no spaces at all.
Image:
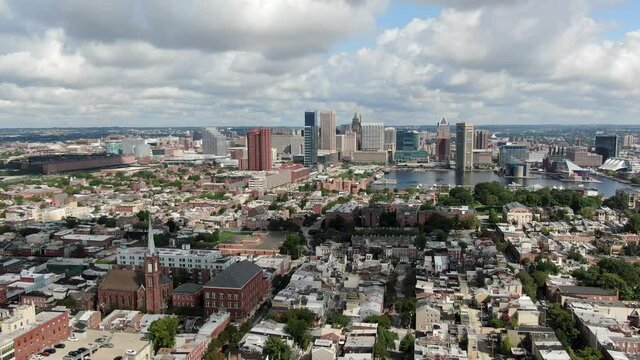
{"x":69,"y":63}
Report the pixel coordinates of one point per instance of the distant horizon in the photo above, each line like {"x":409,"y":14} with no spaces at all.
{"x":452,"y":124}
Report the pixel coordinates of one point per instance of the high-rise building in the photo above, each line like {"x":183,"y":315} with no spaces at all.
{"x":348,"y":144}
{"x":464,"y":146}
{"x":628,"y":141}
{"x":481,"y":141}
{"x":511,"y":154}
{"x":581,"y":157}
{"x":259,"y":149}
{"x":407,"y":140}
{"x":372,"y":137}
{"x":608,"y":146}
{"x":356,"y":127}
{"x":214,"y":143}
{"x":287,"y":142}
{"x":390,"y":138}
{"x":310,"y":138}
{"x":328,"y":130}
{"x":443,"y":141}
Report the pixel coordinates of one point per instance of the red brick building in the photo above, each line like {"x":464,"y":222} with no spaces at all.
{"x":148,"y":289}
{"x":583,"y":292}
{"x":237,"y":290}
{"x":187,"y":295}
{"x":259,"y":149}
{"x":26,"y":333}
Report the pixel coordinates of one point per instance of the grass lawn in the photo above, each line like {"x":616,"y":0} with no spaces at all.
{"x":106,"y":261}
{"x":224,"y":236}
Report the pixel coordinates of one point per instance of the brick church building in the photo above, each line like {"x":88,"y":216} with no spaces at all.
{"x":146,"y":289}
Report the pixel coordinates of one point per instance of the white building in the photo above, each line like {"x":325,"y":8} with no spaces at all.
{"x":372,"y":136}
{"x":390,"y":138}
{"x":214,"y":143}
{"x":178,"y":258}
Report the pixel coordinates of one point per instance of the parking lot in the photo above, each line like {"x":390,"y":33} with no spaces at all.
{"x":101,"y":345}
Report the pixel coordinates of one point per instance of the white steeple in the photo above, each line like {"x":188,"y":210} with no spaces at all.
{"x":151,"y":244}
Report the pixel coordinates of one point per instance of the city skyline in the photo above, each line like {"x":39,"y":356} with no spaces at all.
{"x":401,"y":63}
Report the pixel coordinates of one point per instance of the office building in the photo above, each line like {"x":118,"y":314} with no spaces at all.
{"x":608,"y":146}
{"x":464,"y":146}
{"x":214,"y":143}
{"x":113,"y":147}
{"x":289,"y":142}
{"x":328,"y":130}
{"x":259,"y":150}
{"x":310,"y":138}
{"x":348,"y":144}
{"x":135,"y":147}
{"x":407,"y":140}
{"x":628,"y":141}
{"x":443,"y":141}
{"x":513,"y":154}
{"x":481,"y":141}
{"x":356,"y":127}
{"x":583,"y":158}
{"x":390,"y":138}
{"x":372,"y":137}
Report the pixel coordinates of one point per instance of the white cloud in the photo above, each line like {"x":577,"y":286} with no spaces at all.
{"x":265,"y":62}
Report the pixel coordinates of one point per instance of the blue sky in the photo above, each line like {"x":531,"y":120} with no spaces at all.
{"x":623,"y":15}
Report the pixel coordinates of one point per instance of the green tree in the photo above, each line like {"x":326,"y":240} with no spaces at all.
{"x":277,"y":349}
{"x":563,"y":323}
{"x":589,"y":353}
{"x":407,"y":345}
{"x":163,"y":332}
{"x":338,"y":320}
{"x":299,"y":331}
{"x":633,"y":224}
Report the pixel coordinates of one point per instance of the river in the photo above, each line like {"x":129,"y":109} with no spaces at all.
{"x":427,"y":178}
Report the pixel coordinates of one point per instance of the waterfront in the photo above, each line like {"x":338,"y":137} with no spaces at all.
{"x":409,"y":178}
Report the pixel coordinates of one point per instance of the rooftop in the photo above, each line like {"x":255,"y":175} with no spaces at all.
{"x":235,"y":276}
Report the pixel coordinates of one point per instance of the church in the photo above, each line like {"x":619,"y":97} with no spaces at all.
{"x":148,"y":289}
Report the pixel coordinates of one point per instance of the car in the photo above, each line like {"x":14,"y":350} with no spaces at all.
{"x":73,"y":353}
{"x":50,"y":351}
{"x":117,"y":358}
{"x":82,"y":349}
{"x":44,"y":353}
{"x":73,"y":338}
{"x":59,"y":346}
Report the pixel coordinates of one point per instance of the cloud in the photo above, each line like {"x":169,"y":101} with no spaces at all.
{"x":265,"y":62}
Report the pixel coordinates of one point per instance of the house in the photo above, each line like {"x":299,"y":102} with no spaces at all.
{"x":323,"y":350}
{"x":516,"y":214}
{"x":426,"y":316}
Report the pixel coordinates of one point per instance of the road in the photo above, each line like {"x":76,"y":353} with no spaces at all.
{"x":305,"y":232}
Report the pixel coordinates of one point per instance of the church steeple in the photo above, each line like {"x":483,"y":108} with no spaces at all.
{"x":150,"y":243}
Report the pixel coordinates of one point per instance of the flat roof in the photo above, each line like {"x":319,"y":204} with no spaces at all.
{"x":122,"y":341}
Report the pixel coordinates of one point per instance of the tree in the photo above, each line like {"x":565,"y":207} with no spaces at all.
{"x":589,"y":353}
{"x":633,"y":224}
{"x":407,"y":345}
{"x":276,"y":349}
{"x":143,"y":215}
{"x":505,"y":346}
{"x":299,"y":331}
{"x":292,"y":245}
{"x":563,"y":323}
{"x":421,"y":241}
{"x":163,"y":332}
{"x":338,"y":320}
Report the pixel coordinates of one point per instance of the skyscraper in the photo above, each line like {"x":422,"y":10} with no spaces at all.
{"x":328,"y":130}
{"x":259,"y":157}
{"x":443,"y":141}
{"x":213,"y":142}
{"x":310,"y":138}
{"x":407,"y":140}
{"x":348,"y":144}
{"x":511,"y":154}
{"x":372,"y":137}
{"x":356,"y":127}
{"x":481,"y":141}
{"x":608,"y":146}
{"x":464,"y":147}
{"x":390,"y":138}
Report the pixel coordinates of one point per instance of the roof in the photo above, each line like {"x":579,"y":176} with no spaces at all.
{"x":235,"y":276}
{"x":189,"y":288}
{"x":123,"y":280}
{"x":586,"y":290}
